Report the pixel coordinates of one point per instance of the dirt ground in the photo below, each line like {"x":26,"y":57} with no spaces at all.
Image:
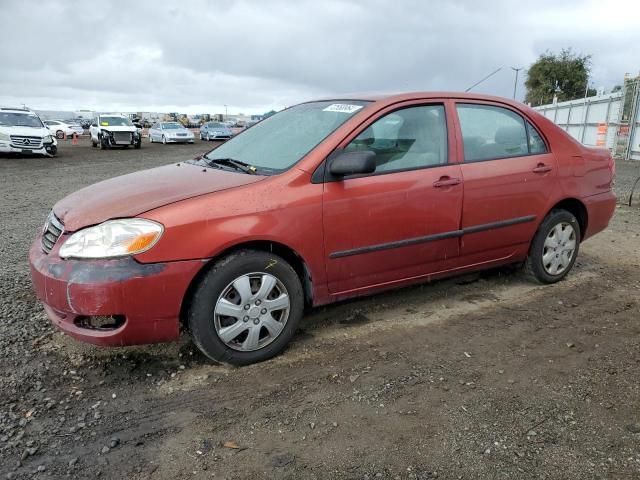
{"x":478,"y":377}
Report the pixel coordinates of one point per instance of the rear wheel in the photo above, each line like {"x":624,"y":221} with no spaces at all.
{"x":555,"y":247}
{"x":246,"y":308}
{"x":59,"y":134}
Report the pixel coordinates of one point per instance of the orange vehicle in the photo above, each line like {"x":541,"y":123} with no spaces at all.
{"x":323,"y":201}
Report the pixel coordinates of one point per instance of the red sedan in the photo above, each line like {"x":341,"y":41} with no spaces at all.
{"x":323,"y":201}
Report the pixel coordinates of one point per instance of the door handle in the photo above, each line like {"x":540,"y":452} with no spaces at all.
{"x":446,"y":182}
{"x":542,"y":168}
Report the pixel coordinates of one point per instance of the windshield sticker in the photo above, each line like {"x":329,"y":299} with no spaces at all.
{"x":342,"y":107}
{"x":104,"y":124}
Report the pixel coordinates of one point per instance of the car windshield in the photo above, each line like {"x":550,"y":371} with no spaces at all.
{"x":171,"y":125}
{"x":20,"y":120}
{"x":216,"y":125}
{"x":280,"y":141}
{"x":115,"y":122}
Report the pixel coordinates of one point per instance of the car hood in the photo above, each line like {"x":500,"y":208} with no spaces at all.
{"x":27,"y":131}
{"x":139,"y":192}
{"x":118,"y":128}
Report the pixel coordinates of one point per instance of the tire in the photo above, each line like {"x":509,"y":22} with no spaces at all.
{"x":216,"y":291}
{"x":59,"y":134}
{"x":554,"y":248}
{"x":93,"y":144}
{"x":164,"y":140}
{"x":138,"y":144}
{"x":150,"y":139}
{"x":103,"y":145}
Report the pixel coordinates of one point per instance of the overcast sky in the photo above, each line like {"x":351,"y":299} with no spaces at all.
{"x":196,"y":56}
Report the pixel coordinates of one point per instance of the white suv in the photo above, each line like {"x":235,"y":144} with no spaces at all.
{"x":109,"y":130}
{"x":22,"y":131}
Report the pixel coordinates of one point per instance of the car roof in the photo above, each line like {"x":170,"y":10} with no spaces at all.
{"x":408,"y":96}
{"x":16,"y":110}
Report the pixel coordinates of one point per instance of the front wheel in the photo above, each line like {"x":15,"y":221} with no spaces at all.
{"x":246,"y":308}
{"x":164,"y":140}
{"x":555,"y":247}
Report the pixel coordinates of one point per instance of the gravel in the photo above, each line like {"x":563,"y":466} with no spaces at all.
{"x":373,"y":388}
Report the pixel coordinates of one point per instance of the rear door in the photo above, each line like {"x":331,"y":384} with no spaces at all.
{"x":398,"y":222}
{"x":509,"y":177}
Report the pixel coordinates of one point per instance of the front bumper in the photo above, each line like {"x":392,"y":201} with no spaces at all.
{"x":47,"y":149}
{"x":147,"y":297}
{"x":180,"y":139}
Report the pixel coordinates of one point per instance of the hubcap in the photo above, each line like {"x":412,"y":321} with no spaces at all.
{"x":251,"y":312}
{"x":559,"y":248}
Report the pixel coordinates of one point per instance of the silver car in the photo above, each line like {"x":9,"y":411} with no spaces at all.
{"x":215,"y":131}
{"x":170,"y":132}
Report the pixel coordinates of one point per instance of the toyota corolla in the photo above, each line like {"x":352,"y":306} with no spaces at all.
{"x":323,"y":201}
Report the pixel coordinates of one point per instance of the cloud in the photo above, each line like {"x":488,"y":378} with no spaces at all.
{"x":196,"y":56}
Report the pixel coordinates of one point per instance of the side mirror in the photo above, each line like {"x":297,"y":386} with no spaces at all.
{"x":353,"y":163}
{"x":94,"y":124}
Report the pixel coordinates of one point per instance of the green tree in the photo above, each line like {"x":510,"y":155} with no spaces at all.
{"x":565,"y":74}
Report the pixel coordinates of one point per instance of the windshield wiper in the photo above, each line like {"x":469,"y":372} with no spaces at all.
{"x":237,"y":164}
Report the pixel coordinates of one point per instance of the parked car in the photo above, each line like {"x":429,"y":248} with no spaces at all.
{"x":60,"y":128}
{"x":215,"y":131}
{"x":111,"y":130}
{"x":170,"y":132}
{"x":22,"y":131}
{"x":320,"y":202}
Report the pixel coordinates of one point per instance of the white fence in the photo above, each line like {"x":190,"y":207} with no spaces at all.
{"x":611,"y":120}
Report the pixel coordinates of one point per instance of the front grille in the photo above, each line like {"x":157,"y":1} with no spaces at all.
{"x":52,"y":230}
{"x":23,"y":141}
{"x":122,"y":137}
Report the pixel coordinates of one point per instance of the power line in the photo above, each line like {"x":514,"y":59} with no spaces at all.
{"x":485,"y":78}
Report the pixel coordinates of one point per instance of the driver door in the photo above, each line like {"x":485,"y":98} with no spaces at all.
{"x":402,"y":221}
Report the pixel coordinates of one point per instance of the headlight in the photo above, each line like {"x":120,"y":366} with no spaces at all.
{"x":114,"y":238}
{"x":46,"y":139}
{"x":5,"y":137}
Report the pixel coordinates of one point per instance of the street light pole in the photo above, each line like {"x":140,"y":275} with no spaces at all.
{"x":515,"y":83}
{"x":226,"y":115}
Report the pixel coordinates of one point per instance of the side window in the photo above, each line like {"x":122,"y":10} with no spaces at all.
{"x":536,"y":143}
{"x":410,"y":138}
{"x":491,"y":132}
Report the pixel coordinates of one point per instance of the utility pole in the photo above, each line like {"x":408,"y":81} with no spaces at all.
{"x":226,"y":115}
{"x":515,"y":83}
